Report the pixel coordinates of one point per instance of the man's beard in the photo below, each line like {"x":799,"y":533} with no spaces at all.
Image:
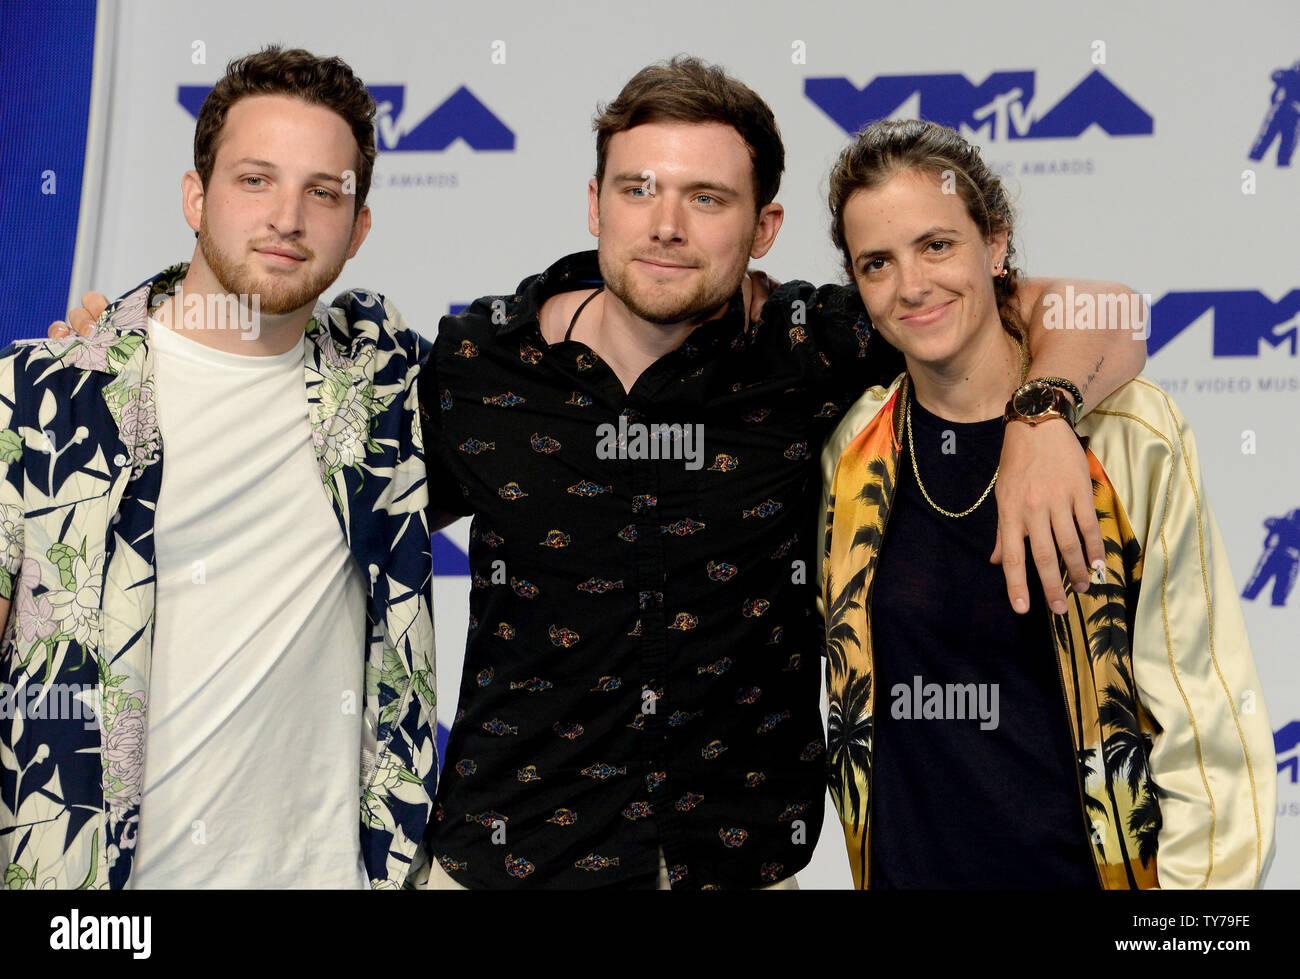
{"x":669,"y":308}
{"x":278,"y":295}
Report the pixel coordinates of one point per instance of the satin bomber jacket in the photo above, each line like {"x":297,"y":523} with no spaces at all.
{"x":81,"y":459}
{"x":1171,"y":735}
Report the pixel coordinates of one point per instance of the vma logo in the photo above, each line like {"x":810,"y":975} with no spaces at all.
{"x":1002,"y":106}
{"x":460,"y":116}
{"x":1287,"y":742}
{"x":1243,"y":319}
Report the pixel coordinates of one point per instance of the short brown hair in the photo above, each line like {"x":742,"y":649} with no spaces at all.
{"x":894,"y":146}
{"x":687,"y":89}
{"x":328,"y":82}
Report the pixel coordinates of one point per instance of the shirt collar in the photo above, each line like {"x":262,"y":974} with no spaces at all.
{"x":131,"y":311}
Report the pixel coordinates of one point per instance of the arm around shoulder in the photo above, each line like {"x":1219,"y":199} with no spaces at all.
{"x":1090,"y":332}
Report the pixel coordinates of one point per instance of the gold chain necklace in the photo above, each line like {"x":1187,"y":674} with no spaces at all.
{"x":911,"y":452}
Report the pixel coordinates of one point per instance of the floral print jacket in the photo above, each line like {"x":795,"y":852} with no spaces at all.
{"x":80,"y":470}
{"x":1170,"y":734}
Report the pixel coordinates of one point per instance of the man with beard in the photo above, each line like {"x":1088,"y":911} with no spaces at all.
{"x":205,"y":657}
{"x":639,"y":702}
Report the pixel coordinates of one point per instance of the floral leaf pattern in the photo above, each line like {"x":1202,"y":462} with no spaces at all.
{"x":81,"y":457}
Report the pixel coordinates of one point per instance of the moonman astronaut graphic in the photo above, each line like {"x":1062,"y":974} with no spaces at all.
{"x":1282,"y":120}
{"x":1285,"y":739}
{"x":1280,"y":559}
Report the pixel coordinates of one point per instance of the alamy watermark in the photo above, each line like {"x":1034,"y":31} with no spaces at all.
{"x":1093,"y":311}
{"x":216,"y":311}
{"x":919,"y":701}
{"x":638,"y":440}
{"x":51,"y":702}
{"x":78,"y":932}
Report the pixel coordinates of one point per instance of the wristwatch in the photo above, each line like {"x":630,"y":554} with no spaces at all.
{"x":1069,"y":388}
{"x":1040,"y":400}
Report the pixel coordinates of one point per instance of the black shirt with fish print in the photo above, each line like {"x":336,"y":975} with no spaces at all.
{"x":643,"y":661}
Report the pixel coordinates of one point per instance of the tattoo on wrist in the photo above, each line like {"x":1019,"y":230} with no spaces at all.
{"x":1083,"y":388}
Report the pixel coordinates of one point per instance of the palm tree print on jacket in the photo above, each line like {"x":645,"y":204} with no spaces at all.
{"x":1110,"y":729}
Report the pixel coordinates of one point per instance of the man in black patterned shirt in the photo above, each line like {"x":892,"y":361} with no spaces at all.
{"x":639,"y":702}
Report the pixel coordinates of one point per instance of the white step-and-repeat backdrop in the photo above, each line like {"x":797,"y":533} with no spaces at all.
{"x":1148,"y":143}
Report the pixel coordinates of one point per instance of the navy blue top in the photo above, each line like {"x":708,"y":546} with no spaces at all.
{"x":974,"y":784}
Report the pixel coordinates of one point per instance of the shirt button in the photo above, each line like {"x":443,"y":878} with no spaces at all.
{"x":119,"y":459}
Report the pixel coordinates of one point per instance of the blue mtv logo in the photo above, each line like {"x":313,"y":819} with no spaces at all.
{"x":1002,"y":105}
{"x":1286,"y":740}
{"x":460,"y":116}
{"x":1243,"y":319}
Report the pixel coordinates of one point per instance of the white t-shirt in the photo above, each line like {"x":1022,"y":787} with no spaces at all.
{"x":253,"y":750}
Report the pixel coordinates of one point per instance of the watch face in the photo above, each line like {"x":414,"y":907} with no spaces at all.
{"x":1035,"y":400}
